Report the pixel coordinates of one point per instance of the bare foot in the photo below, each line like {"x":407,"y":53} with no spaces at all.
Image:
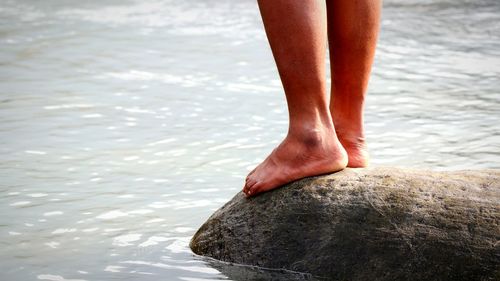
{"x":356,"y":148}
{"x":299,"y":155}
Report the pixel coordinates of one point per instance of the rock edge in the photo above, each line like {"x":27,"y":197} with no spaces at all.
{"x":366,"y":224}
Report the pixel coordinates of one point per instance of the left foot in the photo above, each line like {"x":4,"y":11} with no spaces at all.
{"x":300,"y":155}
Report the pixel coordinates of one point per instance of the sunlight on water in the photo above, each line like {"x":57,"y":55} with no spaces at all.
{"x":126,"y":124}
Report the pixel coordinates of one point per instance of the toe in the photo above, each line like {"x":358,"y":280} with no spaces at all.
{"x":249,"y":176}
{"x":249,"y":183}
{"x":254,"y":189}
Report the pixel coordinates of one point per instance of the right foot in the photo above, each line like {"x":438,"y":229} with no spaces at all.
{"x":356,"y":148}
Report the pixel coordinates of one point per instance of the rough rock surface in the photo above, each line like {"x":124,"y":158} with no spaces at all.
{"x":366,"y":224}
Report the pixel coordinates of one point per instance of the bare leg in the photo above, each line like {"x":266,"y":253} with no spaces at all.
{"x":352,"y":34}
{"x":297,"y":33}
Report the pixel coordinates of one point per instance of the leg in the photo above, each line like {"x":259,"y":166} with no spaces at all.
{"x":296,"y":31}
{"x":352,"y":34}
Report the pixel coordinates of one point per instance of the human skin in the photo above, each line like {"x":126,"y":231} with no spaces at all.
{"x":353,"y":27}
{"x":323,"y":136}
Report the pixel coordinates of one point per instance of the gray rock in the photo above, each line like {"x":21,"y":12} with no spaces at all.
{"x":366,"y":224}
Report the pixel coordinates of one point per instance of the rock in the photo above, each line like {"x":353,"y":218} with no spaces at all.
{"x":366,"y":224}
{"x":254,"y":273}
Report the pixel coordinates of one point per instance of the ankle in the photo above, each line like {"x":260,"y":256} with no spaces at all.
{"x":309,"y":137}
{"x":311,"y":130}
{"x":352,"y":141}
{"x":348,"y":120}
{"x":350,"y":135}
{"x":353,"y":144}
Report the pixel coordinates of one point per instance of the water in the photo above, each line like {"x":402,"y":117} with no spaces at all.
{"x":125,"y":124}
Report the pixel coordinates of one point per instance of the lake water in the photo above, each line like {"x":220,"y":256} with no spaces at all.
{"x":125,"y":124}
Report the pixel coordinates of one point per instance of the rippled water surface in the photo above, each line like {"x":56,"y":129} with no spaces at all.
{"x":125,"y":124}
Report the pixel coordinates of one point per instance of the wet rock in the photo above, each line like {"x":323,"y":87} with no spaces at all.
{"x":366,"y":224}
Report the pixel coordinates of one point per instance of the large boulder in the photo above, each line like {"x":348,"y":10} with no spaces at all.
{"x":366,"y":224}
